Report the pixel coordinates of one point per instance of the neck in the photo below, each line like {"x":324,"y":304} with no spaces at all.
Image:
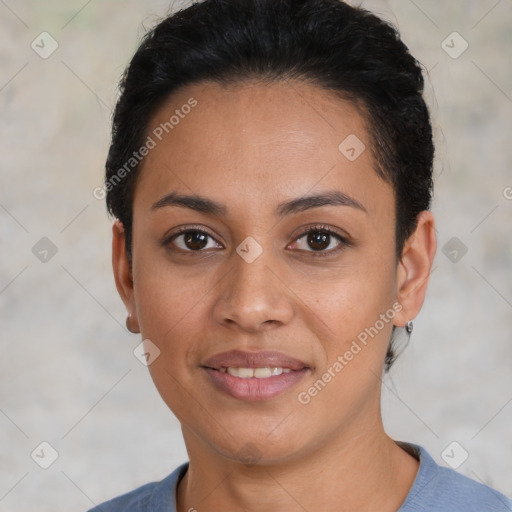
{"x":365,"y":472}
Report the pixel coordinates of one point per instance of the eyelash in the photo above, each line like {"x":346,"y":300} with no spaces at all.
{"x":344,"y":242}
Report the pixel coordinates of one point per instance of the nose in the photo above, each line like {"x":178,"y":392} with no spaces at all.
{"x":253,"y":297}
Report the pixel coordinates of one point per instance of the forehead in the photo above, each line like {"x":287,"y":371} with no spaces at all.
{"x":260,"y":142}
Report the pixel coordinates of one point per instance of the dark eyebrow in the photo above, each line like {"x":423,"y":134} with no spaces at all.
{"x":198,"y":203}
{"x":204,"y":205}
{"x":329,"y":198}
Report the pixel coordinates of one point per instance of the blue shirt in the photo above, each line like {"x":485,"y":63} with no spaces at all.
{"x":435,"y":489}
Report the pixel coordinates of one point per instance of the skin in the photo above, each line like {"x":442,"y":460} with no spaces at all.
{"x":250,"y":147}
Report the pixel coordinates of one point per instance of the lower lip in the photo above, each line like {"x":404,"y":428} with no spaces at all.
{"x":254,"y":389}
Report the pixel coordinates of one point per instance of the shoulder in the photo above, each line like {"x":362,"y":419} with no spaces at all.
{"x":438,"y":488}
{"x":152,"y":496}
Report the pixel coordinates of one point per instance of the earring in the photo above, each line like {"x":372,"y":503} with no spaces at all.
{"x":128,"y":326}
{"x":409,"y":327}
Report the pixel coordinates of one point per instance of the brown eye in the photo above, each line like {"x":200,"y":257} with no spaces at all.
{"x":193,"y":240}
{"x":319,"y":240}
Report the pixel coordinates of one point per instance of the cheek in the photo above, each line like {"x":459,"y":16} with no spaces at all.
{"x":168,"y":298}
{"x":359,"y":315}
{"x":356,"y":305}
{"x":353,"y":297}
{"x":164,"y":305}
{"x":172,"y":310}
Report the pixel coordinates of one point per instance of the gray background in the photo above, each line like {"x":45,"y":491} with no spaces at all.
{"x":69,"y":376}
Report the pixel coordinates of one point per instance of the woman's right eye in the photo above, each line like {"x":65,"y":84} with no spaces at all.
{"x":193,"y":240}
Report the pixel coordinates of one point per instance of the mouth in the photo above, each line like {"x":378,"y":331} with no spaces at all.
{"x":258,"y":373}
{"x":254,"y":376}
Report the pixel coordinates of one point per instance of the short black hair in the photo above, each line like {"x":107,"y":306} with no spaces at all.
{"x":328,"y":43}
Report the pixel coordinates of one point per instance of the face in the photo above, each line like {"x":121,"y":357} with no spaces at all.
{"x":264,"y":268}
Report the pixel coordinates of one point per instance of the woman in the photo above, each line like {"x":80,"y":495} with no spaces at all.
{"x":271,"y":175}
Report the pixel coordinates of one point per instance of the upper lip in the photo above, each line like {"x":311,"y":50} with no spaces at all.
{"x":261,"y":359}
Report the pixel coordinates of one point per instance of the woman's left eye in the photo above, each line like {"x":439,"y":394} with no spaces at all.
{"x":320,"y":240}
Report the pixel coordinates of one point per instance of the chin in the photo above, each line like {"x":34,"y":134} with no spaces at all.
{"x":254,"y":447}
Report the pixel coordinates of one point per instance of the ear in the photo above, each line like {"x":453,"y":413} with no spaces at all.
{"x":123,"y":272}
{"x":415,"y":267}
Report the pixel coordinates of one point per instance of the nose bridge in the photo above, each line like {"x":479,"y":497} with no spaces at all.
{"x":253,"y":296}
{"x":251,"y":274}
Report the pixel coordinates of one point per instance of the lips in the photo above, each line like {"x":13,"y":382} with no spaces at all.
{"x":263,"y":359}
{"x":254,"y":376}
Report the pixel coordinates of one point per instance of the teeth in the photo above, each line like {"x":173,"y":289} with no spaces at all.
{"x":245,"y":373}
{"x":265,"y":373}
{"x":258,"y":373}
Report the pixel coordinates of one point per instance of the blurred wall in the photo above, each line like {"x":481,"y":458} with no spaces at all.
{"x":68,"y":374}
